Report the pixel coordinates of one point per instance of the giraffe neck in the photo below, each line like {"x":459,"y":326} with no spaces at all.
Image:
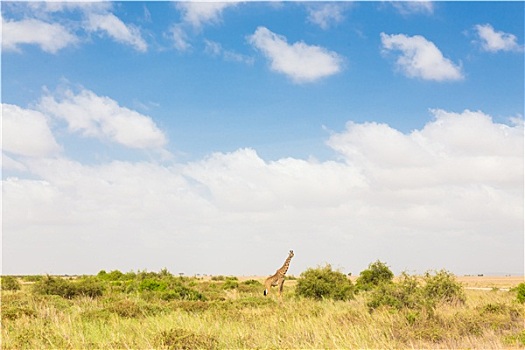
{"x":285,"y":266}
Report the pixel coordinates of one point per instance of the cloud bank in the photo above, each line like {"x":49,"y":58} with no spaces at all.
{"x":28,"y":133}
{"x":455,"y":183}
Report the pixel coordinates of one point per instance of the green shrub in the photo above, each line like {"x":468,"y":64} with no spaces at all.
{"x":10,"y":283}
{"x":153,"y":285}
{"x":406,"y":293}
{"x":252,"y":283}
{"x":442,"y":286}
{"x":181,"y":292}
{"x":114,"y":275}
{"x":87,"y":286}
{"x":377,"y":273}
{"x":324,"y":283}
{"x":521,"y":293}
{"x":55,"y":286}
{"x":230,"y":284}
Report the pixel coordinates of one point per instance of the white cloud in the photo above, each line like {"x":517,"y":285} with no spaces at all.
{"x":195,"y":15}
{"x":51,"y":37}
{"x":102,"y":117}
{"x":198,"y":14}
{"x":456,"y":149}
{"x":43,"y":27}
{"x":116,"y":29}
{"x":455,"y":183}
{"x":43,"y":8}
{"x":26,"y":133}
{"x":420,"y":58}
{"x":413,"y":7}
{"x":494,"y":41}
{"x":301,"y":62}
{"x":326,"y":14}
{"x":243,"y":182}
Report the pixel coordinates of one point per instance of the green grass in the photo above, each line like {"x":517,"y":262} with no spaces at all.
{"x":125,"y":317}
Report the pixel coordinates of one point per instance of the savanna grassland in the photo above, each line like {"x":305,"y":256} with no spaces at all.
{"x":321,"y":309}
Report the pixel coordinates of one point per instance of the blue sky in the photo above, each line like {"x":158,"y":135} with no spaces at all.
{"x":168,"y":134}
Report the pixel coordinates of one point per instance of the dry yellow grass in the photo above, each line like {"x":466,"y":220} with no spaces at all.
{"x":491,"y":281}
{"x":489,"y":320}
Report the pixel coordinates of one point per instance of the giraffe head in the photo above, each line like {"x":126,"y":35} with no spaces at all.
{"x":291,"y":254}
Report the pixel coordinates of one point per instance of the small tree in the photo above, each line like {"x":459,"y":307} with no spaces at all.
{"x":55,"y":286}
{"x":376,"y":274}
{"x":406,"y":293}
{"x":442,"y":286}
{"x":324,"y":282}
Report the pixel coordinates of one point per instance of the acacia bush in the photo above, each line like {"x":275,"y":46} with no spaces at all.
{"x":181,"y":292}
{"x":150,"y":284}
{"x":409,"y":293}
{"x":406,"y":293}
{"x":442,"y":286}
{"x":87,"y":286}
{"x":324,"y":283}
{"x":377,"y":273}
{"x":55,"y":286}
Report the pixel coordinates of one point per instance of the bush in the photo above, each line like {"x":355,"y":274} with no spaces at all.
{"x":407,"y":293}
{"x":521,"y":293}
{"x":89,"y":287}
{"x":55,"y":286}
{"x":150,"y":284}
{"x":230,"y":284}
{"x":68,"y":289}
{"x":442,"y":286}
{"x":324,"y":283}
{"x":181,"y":292}
{"x":376,"y":274}
{"x":10,"y":283}
{"x":252,"y":283}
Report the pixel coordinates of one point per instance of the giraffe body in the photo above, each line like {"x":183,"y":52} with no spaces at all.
{"x":277,"y":279}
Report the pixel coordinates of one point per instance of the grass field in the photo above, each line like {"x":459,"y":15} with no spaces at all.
{"x":229,"y":313}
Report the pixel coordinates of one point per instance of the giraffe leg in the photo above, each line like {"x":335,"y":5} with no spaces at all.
{"x":281,"y":287}
{"x":267,"y":287}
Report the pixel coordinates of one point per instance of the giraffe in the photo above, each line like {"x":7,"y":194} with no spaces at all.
{"x":277,"y":279}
